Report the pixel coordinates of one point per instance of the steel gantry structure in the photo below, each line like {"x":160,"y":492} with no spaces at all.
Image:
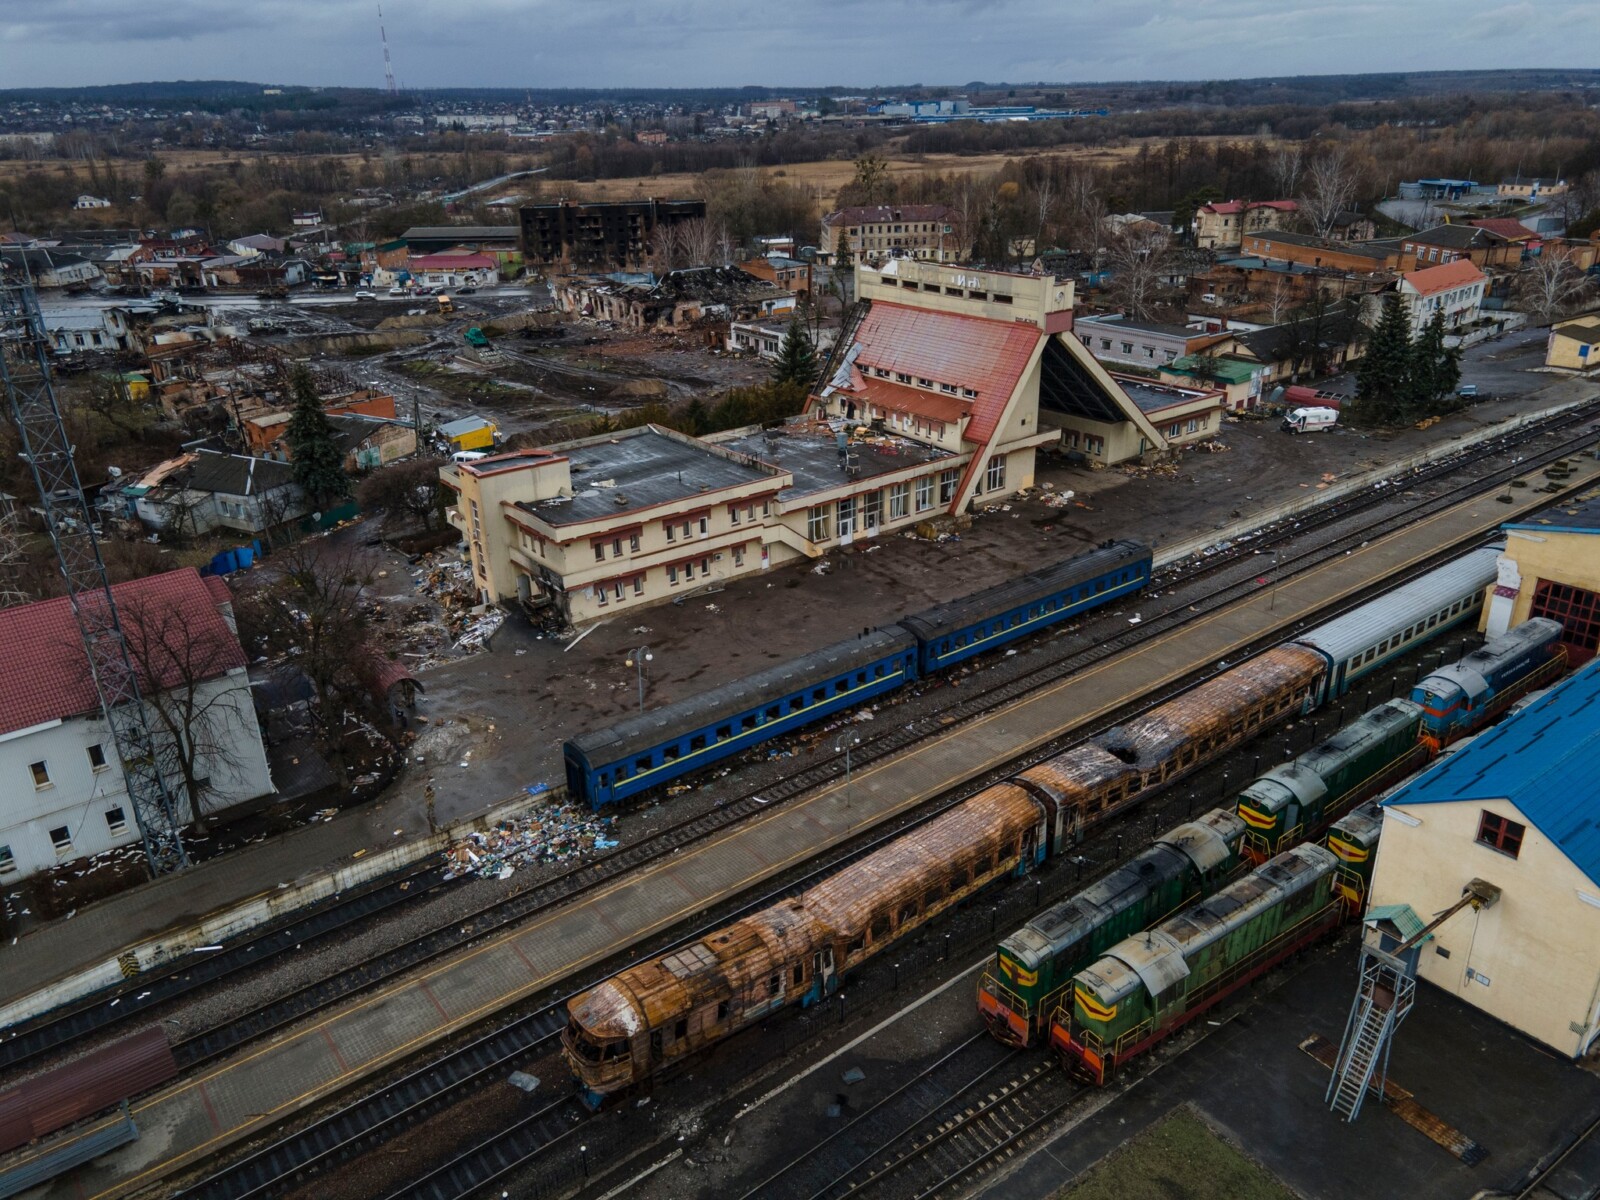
{"x":147,"y":765}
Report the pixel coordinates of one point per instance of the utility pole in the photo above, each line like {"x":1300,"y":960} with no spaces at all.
{"x":147,"y":765}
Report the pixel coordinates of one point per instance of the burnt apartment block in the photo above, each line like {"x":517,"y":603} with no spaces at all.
{"x":609,"y":234}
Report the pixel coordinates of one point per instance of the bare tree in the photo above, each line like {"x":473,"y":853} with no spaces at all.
{"x":1139,"y":254}
{"x":1286,"y":164}
{"x":1279,"y":299}
{"x":13,"y":566}
{"x":411,"y":487}
{"x":1087,"y":210}
{"x":200,"y":721}
{"x":701,"y":240}
{"x":1044,"y":203}
{"x":309,"y":609}
{"x":1550,"y":286}
{"x":666,"y":248}
{"x":1329,"y":189}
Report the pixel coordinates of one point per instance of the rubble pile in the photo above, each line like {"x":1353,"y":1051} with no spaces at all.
{"x":551,"y":833}
{"x":445,"y":620}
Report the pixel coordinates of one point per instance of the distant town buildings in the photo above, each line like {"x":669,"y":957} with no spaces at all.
{"x":924,"y":231}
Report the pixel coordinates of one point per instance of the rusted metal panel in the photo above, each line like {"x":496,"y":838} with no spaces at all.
{"x":84,"y":1087}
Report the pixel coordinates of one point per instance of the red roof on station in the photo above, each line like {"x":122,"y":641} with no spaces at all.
{"x":1509,"y":228}
{"x":48,"y":679}
{"x":897,"y":397}
{"x":971,"y":352}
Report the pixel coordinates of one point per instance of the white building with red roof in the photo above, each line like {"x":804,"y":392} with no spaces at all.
{"x":1455,"y":289}
{"x":62,"y":793}
{"x":454,"y":270}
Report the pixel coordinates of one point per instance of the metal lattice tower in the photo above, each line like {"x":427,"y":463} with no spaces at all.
{"x":388,"y":67}
{"x":25,"y":374}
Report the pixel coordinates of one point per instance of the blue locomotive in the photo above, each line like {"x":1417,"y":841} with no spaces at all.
{"x":1467,"y":695}
{"x":648,"y":750}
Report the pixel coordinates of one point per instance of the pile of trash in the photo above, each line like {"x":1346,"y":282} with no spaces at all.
{"x":551,"y":833}
{"x":444,"y":619}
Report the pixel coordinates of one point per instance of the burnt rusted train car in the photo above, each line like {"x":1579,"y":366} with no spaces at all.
{"x":647,"y":1019}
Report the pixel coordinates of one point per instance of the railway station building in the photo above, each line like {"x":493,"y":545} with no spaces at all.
{"x":938,"y":398}
{"x":1551,"y":568}
{"x":1514,"y":808}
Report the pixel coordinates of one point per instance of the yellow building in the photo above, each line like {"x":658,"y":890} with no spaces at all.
{"x":1574,"y":345}
{"x":1551,"y":568}
{"x":1515,"y":808}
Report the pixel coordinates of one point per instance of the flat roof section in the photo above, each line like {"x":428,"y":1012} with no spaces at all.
{"x":1152,"y":397}
{"x":640,"y":469}
{"x":813,"y":459}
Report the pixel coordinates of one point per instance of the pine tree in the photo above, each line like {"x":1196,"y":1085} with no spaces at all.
{"x":1383,"y":379}
{"x":318,"y":460}
{"x":1435,"y":367}
{"x":797,"y":357}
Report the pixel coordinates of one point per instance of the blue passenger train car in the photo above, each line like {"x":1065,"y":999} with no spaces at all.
{"x":1467,"y":695}
{"x":951,"y":632}
{"x":1365,"y":638}
{"x":646,"y":751}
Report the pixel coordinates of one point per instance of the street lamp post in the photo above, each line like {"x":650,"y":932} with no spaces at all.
{"x":846,"y":747}
{"x":636,"y":660}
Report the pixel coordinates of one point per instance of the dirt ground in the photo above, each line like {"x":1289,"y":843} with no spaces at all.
{"x":513,"y":705}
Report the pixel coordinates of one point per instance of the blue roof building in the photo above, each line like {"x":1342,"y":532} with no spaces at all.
{"x":1517,"y":807}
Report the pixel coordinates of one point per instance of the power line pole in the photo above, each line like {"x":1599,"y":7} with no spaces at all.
{"x":147,"y":765}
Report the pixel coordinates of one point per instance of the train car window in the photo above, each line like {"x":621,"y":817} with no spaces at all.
{"x":681,"y":1030}
{"x":819,"y":695}
{"x":622,"y":772}
{"x":879,"y":929}
{"x":747,"y":722}
{"x":908,"y":913}
{"x":697,"y":742}
{"x":724,"y":732}
{"x":861,"y":676}
{"x":931,"y":897}
{"x":772,"y":713}
{"x":856,"y":947}
{"x":796,"y":703}
{"x":983,"y":866}
{"x":669,"y":754}
{"x":774,"y":985}
{"x":877,"y":671}
{"x":722,"y":1010}
{"x":842,"y":686}
{"x":958,"y":881}
{"x":799,"y":973}
{"x":605,"y":778}
{"x":642,"y":764}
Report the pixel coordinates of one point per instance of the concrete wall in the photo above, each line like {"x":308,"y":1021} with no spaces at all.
{"x":1534,"y":956}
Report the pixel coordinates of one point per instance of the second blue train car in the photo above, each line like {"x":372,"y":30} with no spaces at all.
{"x":951,"y":632}
{"x":1467,"y":695}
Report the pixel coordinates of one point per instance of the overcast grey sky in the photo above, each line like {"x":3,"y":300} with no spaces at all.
{"x":613,"y":43}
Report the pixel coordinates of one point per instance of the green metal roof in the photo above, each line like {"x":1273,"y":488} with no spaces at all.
{"x":1402,"y":916}
{"x":1224,"y":370}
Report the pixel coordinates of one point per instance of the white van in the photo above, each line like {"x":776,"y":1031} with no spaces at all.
{"x":1309,"y":420}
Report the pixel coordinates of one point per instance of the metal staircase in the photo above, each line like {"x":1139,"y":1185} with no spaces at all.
{"x":1387,"y":992}
{"x":847,"y":335}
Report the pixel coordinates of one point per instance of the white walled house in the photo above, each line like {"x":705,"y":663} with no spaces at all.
{"x":1455,"y":288}
{"x":62,"y":792}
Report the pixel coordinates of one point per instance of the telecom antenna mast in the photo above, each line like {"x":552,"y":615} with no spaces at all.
{"x":146,"y":764}
{"x":388,"y":67}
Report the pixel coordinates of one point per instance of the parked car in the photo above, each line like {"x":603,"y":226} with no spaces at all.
{"x":397,"y":290}
{"x":465,"y":291}
{"x":364,"y":294}
{"x":1467,"y":390}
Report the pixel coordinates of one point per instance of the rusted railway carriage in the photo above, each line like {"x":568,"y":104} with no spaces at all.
{"x":651,"y":1016}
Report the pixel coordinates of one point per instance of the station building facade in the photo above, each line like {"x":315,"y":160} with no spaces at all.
{"x":939,"y":398}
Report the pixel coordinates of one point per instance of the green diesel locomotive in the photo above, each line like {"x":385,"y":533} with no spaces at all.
{"x":1033,"y":965}
{"x":1153,"y":984}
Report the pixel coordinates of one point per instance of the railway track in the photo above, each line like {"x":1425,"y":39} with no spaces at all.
{"x":1239,"y":564}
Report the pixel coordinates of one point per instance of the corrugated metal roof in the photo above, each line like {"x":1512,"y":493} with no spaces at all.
{"x":85,"y":1086}
{"x":1544,"y":760}
{"x":1371,"y":623}
{"x":971,"y":352}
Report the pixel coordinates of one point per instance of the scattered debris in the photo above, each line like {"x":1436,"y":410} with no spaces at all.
{"x":550,"y":833}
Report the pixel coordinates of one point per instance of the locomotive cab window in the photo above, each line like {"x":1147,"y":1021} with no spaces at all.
{"x":722,"y":1010}
{"x":681,"y":1030}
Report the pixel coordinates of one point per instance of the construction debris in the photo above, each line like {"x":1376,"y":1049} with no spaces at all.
{"x":550,"y":833}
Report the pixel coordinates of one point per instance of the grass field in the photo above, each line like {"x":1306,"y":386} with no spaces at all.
{"x":1178,"y":1158}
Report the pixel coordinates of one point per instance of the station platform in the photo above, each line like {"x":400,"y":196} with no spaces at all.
{"x":199,"y":1116}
